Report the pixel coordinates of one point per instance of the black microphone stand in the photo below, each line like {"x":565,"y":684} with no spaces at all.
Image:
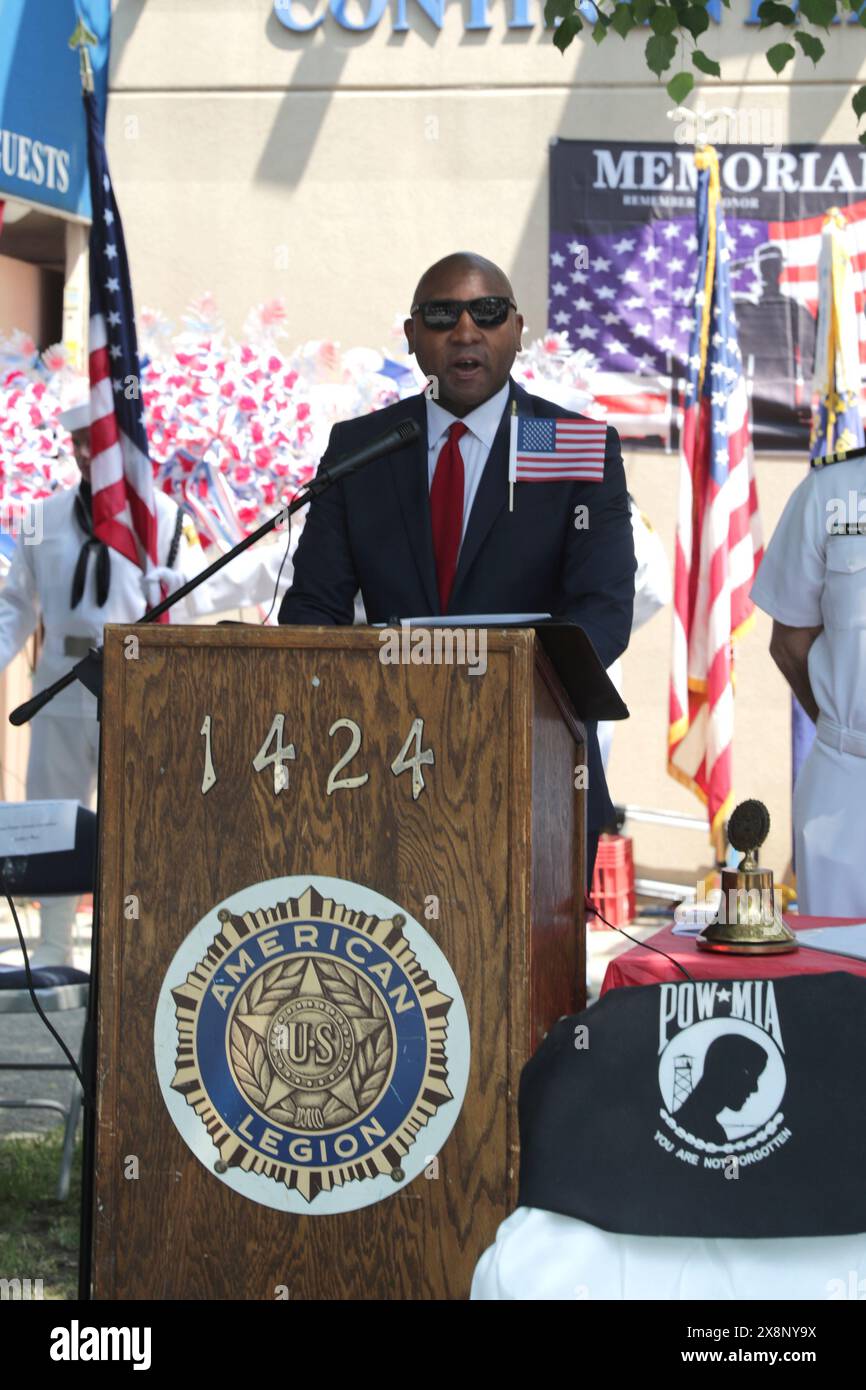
{"x":89,"y":672}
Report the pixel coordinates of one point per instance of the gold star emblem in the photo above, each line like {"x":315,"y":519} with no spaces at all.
{"x":311,"y":1044}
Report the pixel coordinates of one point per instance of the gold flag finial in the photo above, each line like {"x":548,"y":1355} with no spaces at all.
{"x":84,"y":39}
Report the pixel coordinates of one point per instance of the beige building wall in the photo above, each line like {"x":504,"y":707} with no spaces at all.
{"x":20,"y":297}
{"x":329,"y":168}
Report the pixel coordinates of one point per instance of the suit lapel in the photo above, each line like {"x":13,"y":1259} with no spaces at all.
{"x":409,"y":471}
{"x":492,"y":494}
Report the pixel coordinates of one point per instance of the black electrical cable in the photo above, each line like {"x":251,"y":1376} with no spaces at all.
{"x":282,"y":567}
{"x":32,"y":990}
{"x":590,"y":907}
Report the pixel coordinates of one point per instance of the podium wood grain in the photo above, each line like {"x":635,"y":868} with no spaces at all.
{"x":496,"y":836}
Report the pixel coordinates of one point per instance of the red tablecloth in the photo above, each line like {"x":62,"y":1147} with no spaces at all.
{"x":641,"y":966}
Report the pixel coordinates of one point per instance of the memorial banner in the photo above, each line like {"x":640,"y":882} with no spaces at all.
{"x":623,"y":266}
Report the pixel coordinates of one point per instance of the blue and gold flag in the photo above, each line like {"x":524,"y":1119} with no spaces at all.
{"x":836,"y":417}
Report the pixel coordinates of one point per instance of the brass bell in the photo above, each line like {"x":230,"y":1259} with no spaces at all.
{"x":748,"y":923}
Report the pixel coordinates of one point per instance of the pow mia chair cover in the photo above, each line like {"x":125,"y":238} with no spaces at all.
{"x":713,"y":1109}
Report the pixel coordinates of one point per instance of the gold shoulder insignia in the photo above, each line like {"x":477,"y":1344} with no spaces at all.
{"x":840,"y":455}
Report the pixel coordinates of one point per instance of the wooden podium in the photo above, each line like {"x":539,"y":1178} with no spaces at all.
{"x":470,"y":821}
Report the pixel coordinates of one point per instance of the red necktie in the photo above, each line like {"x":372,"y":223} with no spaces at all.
{"x":446,"y":510}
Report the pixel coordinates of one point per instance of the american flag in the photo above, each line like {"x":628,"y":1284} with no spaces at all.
{"x":718,"y":542}
{"x":124,"y":509}
{"x":547,"y":451}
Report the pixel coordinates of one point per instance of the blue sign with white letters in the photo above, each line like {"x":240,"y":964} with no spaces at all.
{"x":43,"y":132}
{"x":522,"y":14}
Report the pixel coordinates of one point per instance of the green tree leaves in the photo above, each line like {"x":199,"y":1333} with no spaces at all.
{"x":780,"y":55}
{"x":566,"y":30}
{"x":705,"y":64}
{"x":812,"y":47}
{"x":819,"y":12}
{"x":679,"y":87}
{"x":660,"y":52}
{"x":680,"y":23}
{"x":772,"y":13}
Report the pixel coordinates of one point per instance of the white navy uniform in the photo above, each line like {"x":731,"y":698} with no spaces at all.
{"x":814,"y":575}
{"x":64,"y":737}
{"x":541,"y":1255}
{"x":653,"y":590}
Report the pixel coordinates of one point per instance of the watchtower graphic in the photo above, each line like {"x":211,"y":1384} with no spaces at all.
{"x":682,"y":1080}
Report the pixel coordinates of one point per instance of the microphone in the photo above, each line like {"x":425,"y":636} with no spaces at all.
{"x":407,"y":432}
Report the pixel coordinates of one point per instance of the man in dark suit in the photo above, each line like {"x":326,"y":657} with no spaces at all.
{"x":427,"y":530}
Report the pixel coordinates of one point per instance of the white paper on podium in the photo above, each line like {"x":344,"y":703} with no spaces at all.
{"x":842,"y":941}
{"x":476,"y":620}
{"x":37,"y":827}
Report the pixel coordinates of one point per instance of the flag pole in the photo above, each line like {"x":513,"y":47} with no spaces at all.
{"x":512,"y":455}
{"x":83,"y":39}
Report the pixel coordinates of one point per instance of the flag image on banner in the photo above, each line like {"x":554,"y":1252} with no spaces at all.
{"x":718,"y":541}
{"x":623,"y":256}
{"x":124,"y":510}
{"x":554,"y":451}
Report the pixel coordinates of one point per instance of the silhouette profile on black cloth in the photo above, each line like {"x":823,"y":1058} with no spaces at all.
{"x":732,"y":1070}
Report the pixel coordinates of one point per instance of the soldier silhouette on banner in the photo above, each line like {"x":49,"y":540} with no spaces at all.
{"x":777,"y":341}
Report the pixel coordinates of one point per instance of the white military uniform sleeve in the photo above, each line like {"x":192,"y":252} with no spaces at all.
{"x":248,"y":580}
{"x":652,"y":582}
{"x":19,"y":604}
{"x":790,"y":579}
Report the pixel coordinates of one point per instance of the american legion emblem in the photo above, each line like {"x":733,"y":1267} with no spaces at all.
{"x":312,"y":1044}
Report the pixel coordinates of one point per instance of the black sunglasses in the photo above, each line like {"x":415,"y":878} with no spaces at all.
{"x":488,"y":312}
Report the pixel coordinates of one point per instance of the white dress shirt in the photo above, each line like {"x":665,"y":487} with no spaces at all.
{"x":482,"y":424}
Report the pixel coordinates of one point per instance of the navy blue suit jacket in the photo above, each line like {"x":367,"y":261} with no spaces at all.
{"x":372,"y":532}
